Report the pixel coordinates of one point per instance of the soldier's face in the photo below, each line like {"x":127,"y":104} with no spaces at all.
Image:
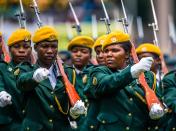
{"x":80,"y":56}
{"x":21,"y":51}
{"x":99,"y":55}
{"x":115,"y":57}
{"x":47,"y":52}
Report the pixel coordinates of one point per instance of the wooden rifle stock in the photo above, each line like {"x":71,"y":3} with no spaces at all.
{"x":70,"y":89}
{"x":150,"y":95}
{"x":5,"y":52}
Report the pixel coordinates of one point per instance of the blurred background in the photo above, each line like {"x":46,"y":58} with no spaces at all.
{"x":58,"y":14}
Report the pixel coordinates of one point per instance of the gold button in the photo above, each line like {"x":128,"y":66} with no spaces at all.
{"x":86,"y":100}
{"x":131,"y":99}
{"x":50,"y":120}
{"x":27,"y":128}
{"x":52,"y":92}
{"x":129,"y":114}
{"x":173,"y":128}
{"x":156,"y":127}
{"x":127,"y":128}
{"x":23,"y":111}
{"x":51,"y":106}
{"x":103,"y":121}
{"x":148,"y":128}
{"x":91,"y":126}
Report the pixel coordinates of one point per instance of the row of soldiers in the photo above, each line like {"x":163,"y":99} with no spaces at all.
{"x":33,"y":96}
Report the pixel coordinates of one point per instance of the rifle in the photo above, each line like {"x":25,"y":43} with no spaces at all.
{"x":37,"y":13}
{"x":155,"y":28}
{"x":22,"y":22}
{"x":106,"y":18}
{"x":21,"y":16}
{"x":150,"y":96}
{"x":94,"y":27}
{"x":77,"y":25}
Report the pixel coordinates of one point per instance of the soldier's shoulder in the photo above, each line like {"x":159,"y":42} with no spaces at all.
{"x":171,"y":74}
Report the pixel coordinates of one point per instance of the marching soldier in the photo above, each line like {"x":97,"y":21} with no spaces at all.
{"x":150,"y":50}
{"x":121,"y":99}
{"x":91,"y":123}
{"x":1,"y":53}
{"x":48,"y":106}
{"x":169,"y":85}
{"x":81,"y":49}
{"x":12,"y":101}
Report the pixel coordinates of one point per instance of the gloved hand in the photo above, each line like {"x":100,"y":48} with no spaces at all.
{"x":40,"y":74}
{"x":143,"y":65}
{"x":78,"y":109}
{"x":5,"y":99}
{"x":156,"y":111}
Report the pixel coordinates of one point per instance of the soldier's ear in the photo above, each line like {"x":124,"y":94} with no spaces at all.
{"x":35,"y":47}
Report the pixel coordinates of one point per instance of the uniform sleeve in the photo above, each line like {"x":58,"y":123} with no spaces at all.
{"x":24,"y":79}
{"x":170,"y":91}
{"x":108,"y":83}
{"x":1,"y":82}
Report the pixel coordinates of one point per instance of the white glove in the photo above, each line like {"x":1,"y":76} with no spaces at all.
{"x":143,"y":65}
{"x":40,"y":74}
{"x":156,"y":111}
{"x":78,"y":109}
{"x":5,"y":99}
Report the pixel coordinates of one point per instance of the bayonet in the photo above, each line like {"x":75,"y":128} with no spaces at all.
{"x":37,"y":13}
{"x":154,"y":25}
{"x":106,"y":19}
{"x":77,"y":25}
{"x":124,"y":20}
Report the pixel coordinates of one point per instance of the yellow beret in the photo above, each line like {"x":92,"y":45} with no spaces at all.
{"x":45,"y":33}
{"x":115,"y":37}
{"x":148,"y":47}
{"x":84,"y":41}
{"x":19,"y":35}
{"x":100,"y":40}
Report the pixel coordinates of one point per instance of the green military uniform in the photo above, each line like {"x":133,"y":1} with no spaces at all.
{"x":90,"y":123}
{"x":43,"y":113}
{"x":121,"y":100}
{"x":11,"y":115}
{"x":169,"y":84}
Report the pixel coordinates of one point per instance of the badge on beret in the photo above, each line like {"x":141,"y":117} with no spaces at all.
{"x":94,"y":82}
{"x":113,"y":39}
{"x":27,"y":38}
{"x":52,"y":37}
{"x":17,"y":71}
{"x":84,"y":79}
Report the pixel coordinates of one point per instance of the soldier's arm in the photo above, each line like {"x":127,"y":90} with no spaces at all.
{"x":25,"y":80}
{"x":169,"y":84}
{"x":1,"y":82}
{"x":106,"y":84}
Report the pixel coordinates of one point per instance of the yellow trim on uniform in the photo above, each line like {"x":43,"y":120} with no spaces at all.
{"x":154,"y":82}
{"x":140,"y":97}
{"x":74,"y":77}
{"x":59,"y":106}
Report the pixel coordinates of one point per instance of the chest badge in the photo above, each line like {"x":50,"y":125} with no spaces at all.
{"x":94,"y":82}
{"x":84,"y":79}
{"x":17,"y":71}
